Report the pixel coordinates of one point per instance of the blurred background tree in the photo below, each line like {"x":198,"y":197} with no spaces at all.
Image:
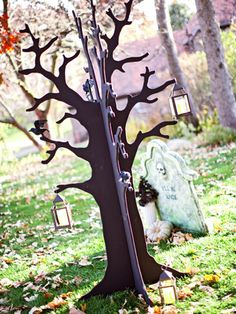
{"x":179,"y":15}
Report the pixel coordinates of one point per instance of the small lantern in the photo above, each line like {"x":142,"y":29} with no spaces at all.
{"x":61,"y":213}
{"x":167,"y":287}
{"x":179,"y":102}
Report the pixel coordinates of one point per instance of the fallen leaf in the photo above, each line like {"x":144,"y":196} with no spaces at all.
{"x":180,"y":237}
{"x":207,"y":289}
{"x":192,"y":271}
{"x":32,"y":298}
{"x":83,"y":307}
{"x":211,"y":278}
{"x":35,"y":310}
{"x":170,"y":309}
{"x":5,"y":282}
{"x":84,"y":261}
{"x":73,"y":310}
{"x":76,"y":281}
{"x":184,"y":293}
{"x":56,"y":303}
{"x":65,"y":295}
{"x":48,"y":295}
{"x":3,"y":301}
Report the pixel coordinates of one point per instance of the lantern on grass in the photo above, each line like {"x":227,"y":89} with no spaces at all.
{"x":167,"y":287}
{"x":179,"y":102}
{"x":61,"y":213}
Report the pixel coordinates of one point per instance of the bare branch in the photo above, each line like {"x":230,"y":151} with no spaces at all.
{"x":8,"y":112}
{"x":113,"y":42}
{"x":38,"y":54}
{"x":46,"y":97}
{"x":66,"y":60}
{"x":79,"y":152}
{"x":67,"y":115}
{"x":119,"y":64}
{"x":84,"y":186}
{"x":142,"y":96}
{"x":6,"y":121}
{"x":156,"y":131}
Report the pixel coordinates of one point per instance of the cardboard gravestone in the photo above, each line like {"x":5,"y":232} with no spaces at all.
{"x":177,"y":202}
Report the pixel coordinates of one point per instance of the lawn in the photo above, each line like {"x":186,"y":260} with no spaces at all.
{"x":42,"y":267}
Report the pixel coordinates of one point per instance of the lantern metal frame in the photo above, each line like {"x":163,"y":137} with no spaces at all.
{"x":55,"y":209}
{"x":166,"y":276}
{"x":179,"y":91}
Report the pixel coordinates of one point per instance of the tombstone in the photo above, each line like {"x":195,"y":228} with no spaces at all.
{"x":177,"y":202}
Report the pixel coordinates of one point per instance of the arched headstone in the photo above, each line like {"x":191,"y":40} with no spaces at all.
{"x":177,"y":201}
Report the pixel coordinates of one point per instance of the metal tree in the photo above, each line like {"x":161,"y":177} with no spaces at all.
{"x":108,"y":152}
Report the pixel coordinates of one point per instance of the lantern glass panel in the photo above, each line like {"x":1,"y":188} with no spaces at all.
{"x":63,"y":216}
{"x":167,"y":293}
{"x":182,"y":104}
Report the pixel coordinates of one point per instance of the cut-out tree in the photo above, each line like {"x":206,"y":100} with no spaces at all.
{"x":108,"y":152}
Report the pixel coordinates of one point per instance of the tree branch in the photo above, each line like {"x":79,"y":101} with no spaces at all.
{"x":142,"y":96}
{"x":59,"y":80}
{"x":67,"y":115}
{"x":79,"y":152}
{"x":66,"y":60}
{"x":8,"y":112}
{"x":6,"y":121}
{"x":119,"y":64}
{"x":84,"y":186}
{"x":156,"y":131}
{"x":113,"y":41}
{"x":49,"y":96}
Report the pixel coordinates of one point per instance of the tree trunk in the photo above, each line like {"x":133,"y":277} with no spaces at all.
{"x":118,"y":275}
{"x":167,"y":38}
{"x":221,"y":84}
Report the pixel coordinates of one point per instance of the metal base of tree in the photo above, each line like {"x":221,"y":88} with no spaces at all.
{"x":108,"y":152}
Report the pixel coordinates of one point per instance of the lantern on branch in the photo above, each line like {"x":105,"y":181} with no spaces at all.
{"x":167,"y":287}
{"x":179,"y":102}
{"x":61,"y":213}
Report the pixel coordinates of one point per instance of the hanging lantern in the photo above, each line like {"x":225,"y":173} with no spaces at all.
{"x":61,"y":213}
{"x":167,"y":287}
{"x":179,"y":102}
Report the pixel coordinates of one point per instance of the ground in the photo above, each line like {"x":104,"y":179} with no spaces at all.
{"x":51,"y":269}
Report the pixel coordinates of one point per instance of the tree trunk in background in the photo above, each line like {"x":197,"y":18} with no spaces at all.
{"x":167,"y":38}
{"x":221,"y":84}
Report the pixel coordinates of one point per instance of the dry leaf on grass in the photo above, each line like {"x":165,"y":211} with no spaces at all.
{"x":180,"y":237}
{"x":84,"y":261}
{"x":192,"y":271}
{"x":66,"y":295}
{"x":48,"y":295}
{"x":207,"y":289}
{"x":184,"y":293}
{"x":56,"y":303}
{"x":73,"y":310}
{"x":35,"y":310}
{"x":211,"y":278}
{"x":31,"y":298}
{"x":169,"y":309}
{"x":5,"y":282}
{"x":154,"y":310}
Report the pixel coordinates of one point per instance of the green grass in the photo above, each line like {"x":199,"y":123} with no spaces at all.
{"x":39,"y":260}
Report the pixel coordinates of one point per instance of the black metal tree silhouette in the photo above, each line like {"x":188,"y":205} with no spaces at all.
{"x":110,"y":155}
